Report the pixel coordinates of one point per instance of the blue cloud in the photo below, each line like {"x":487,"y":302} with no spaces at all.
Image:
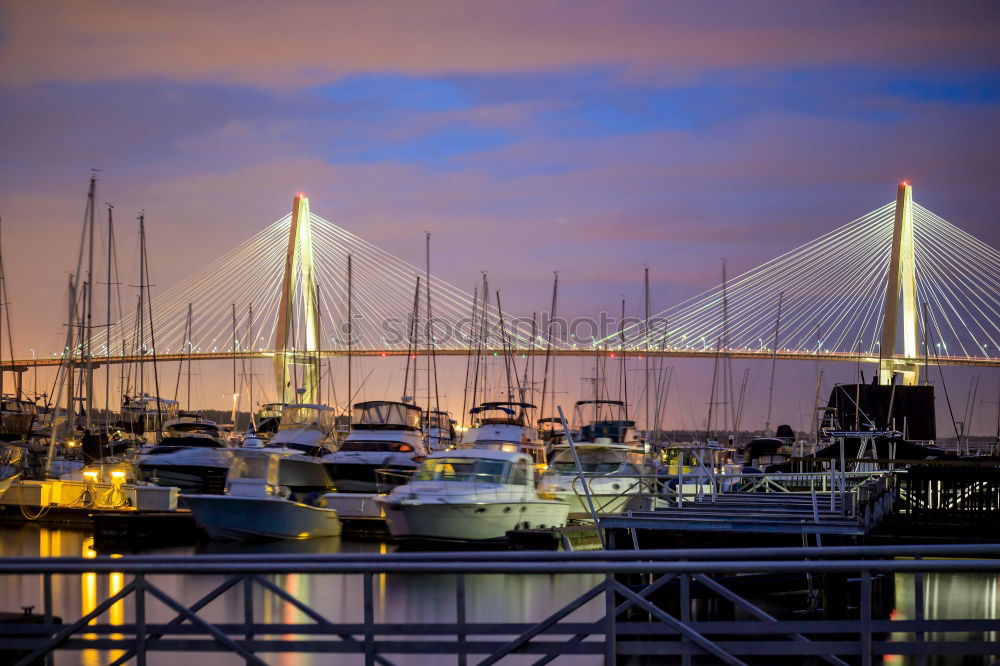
{"x":396,"y":91}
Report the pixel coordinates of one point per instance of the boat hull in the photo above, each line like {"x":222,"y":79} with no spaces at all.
{"x":188,"y":478}
{"x":366,"y":477}
{"x":471,"y":522}
{"x":226,"y":517}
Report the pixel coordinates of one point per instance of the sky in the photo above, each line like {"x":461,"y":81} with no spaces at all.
{"x":592,"y":138}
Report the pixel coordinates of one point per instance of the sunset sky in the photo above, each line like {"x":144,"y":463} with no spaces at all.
{"x":592,"y":138}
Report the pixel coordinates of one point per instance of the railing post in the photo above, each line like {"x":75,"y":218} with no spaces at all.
{"x":140,"y":619}
{"x":918,"y":609}
{"x":369,"y":609}
{"x":610,"y":621}
{"x":460,"y":617}
{"x":47,"y":609}
{"x":866,"y":618}
{"x":248,"y":612}
{"x":685,"y":589}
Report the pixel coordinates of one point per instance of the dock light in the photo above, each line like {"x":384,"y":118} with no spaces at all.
{"x":118,"y":474}
{"x":71,"y":444}
{"x":90,"y":476}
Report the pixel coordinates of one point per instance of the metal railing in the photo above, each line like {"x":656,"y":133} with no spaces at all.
{"x":644,"y":601}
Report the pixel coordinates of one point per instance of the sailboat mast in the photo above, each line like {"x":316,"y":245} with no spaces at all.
{"x":623,"y":380}
{"x":645,"y":356}
{"x":774,"y":364}
{"x":89,"y":302}
{"x":548,"y":347}
{"x":503,"y":345}
{"x":235,"y":394}
{"x":107,"y":323}
{"x":250,"y":341}
{"x":431,"y":352}
{"x":350,"y":333}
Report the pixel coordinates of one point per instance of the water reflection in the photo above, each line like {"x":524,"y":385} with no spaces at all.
{"x":949,"y":596}
{"x":398,"y":598}
{"x":430,"y":598}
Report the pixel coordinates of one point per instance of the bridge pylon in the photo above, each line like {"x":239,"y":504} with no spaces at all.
{"x":291,"y":385}
{"x":900,"y":297}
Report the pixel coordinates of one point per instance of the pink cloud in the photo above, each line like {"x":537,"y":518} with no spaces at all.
{"x":294,"y":44}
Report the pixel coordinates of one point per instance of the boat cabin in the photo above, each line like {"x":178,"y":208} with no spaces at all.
{"x":595,"y":460}
{"x":385,"y":415}
{"x":144,"y":413}
{"x":477,"y":466}
{"x":765,"y":452}
{"x":255,"y":474}
{"x":550,"y":431}
{"x":607,"y":422}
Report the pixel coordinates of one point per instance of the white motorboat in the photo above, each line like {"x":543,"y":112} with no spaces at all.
{"x":470,"y":495}
{"x":191,"y":455}
{"x":303,"y":437}
{"x":255,"y":506}
{"x":383,"y":448}
{"x":615,"y":464}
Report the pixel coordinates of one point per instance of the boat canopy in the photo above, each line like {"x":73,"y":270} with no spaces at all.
{"x":616,"y":431}
{"x":385,"y":415}
{"x":522,"y":405}
{"x":181,"y":428}
{"x":498,"y":413}
{"x":314,"y":417}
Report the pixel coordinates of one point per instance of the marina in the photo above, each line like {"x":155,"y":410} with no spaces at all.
{"x":632,"y":334}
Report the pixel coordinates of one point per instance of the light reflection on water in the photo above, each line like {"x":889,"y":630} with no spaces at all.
{"x":950,"y":596}
{"x":424,"y":599}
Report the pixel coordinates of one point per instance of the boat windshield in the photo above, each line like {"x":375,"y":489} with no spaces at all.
{"x":270,"y":410}
{"x":252,"y":467}
{"x":301,"y":416}
{"x":591,"y":462}
{"x":389,"y":415}
{"x":476,"y":470}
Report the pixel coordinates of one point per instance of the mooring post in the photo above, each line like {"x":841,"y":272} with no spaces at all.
{"x":460,"y":617}
{"x":610,"y":623}
{"x":47,"y":609}
{"x":685,"y":589}
{"x":866,"y":618}
{"x":248,"y":612}
{"x":369,"y":609}
{"x":140,"y":619}
{"x":918,"y":609}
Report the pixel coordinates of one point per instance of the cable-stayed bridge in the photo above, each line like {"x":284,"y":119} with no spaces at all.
{"x":899,"y":286}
